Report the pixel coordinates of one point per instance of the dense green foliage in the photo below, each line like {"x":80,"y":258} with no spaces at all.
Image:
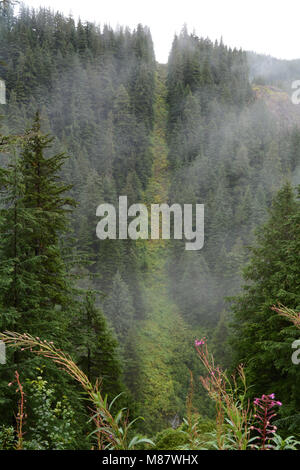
{"x":262,"y":339}
{"x":37,"y":293}
{"x":192,"y":131}
{"x":230,"y":154}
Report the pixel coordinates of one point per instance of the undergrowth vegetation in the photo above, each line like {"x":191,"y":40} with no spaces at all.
{"x":239,"y":424}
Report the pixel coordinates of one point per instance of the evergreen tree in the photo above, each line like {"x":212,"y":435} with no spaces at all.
{"x":119,"y":308}
{"x":97,"y":347}
{"x":262,"y":340}
{"x":36,"y":296}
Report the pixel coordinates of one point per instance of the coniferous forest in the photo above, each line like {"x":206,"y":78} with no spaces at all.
{"x":99,"y":333}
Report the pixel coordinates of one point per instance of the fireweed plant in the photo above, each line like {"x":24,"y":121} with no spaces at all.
{"x":21,"y":411}
{"x":236,"y":420}
{"x":233,"y":412}
{"x":264,"y":413}
{"x":111,"y":432}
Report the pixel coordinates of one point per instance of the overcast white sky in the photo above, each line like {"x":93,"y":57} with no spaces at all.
{"x":265,"y":26}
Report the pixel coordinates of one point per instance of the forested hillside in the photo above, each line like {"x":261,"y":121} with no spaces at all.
{"x":269,"y":70}
{"x":196,"y":130}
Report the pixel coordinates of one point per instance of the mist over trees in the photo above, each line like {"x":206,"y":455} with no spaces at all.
{"x":192,"y":131}
{"x":228,"y":153}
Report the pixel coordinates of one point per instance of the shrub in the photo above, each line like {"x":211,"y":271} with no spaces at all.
{"x":170,"y":439}
{"x":54,"y":421}
{"x":7,"y":438}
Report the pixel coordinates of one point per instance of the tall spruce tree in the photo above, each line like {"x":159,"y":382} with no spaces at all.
{"x":36,"y":296}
